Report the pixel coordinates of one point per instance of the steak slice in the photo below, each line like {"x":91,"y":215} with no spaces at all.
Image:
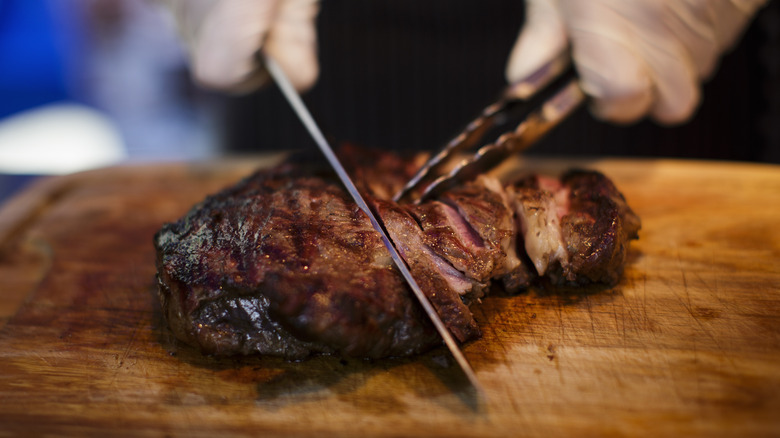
{"x":285,"y":264}
{"x":576,"y":230}
{"x":453,"y":239}
{"x":442,"y":284}
{"x":597,"y":228}
{"x":483,"y":205}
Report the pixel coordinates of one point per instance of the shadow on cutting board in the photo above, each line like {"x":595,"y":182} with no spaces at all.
{"x":374,"y":386}
{"x":371,"y":386}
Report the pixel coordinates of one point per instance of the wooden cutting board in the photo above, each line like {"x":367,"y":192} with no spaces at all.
{"x":687,"y":344}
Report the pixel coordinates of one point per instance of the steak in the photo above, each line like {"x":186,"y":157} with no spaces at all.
{"x":284,"y":263}
{"x":576,"y":230}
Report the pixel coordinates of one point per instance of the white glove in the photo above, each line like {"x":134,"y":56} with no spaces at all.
{"x":224,"y":36}
{"x":634,"y":57}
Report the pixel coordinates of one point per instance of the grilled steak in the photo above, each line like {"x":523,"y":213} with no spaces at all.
{"x":285,"y":264}
{"x":597,"y":229}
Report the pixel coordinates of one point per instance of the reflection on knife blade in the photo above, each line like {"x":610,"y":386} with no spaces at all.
{"x":300,"y":109}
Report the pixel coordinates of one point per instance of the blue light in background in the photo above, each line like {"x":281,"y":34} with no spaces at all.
{"x":39,"y":47}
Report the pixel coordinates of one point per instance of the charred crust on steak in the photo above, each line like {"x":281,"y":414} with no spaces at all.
{"x":597,"y":229}
{"x":285,"y":264}
{"x":301,"y":245}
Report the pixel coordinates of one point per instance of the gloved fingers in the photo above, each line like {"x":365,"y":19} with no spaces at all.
{"x":634,"y":57}
{"x":731,"y":17}
{"x":707,"y":28}
{"x":614,"y":78}
{"x":292,"y":41}
{"x":542,"y":38}
{"x":612,"y":71}
{"x":226,"y":41}
{"x":629,"y":61}
{"x":677,"y":89}
{"x":694,"y":23}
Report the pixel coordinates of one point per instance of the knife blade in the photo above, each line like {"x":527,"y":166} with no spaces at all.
{"x":302,"y":112}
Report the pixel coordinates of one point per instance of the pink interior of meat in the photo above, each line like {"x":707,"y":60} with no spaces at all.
{"x":412,"y":249}
{"x":559,"y":191}
{"x":455,"y":279}
{"x":467,"y":234}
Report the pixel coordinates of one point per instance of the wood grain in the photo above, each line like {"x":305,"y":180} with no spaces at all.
{"x":687,"y":344}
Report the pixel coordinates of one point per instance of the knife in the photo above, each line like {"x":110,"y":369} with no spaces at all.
{"x":300,"y":109}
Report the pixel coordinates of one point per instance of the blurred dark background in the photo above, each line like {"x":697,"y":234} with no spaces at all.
{"x":404,"y":74}
{"x":395,"y":74}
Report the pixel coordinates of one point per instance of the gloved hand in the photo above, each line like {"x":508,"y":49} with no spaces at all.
{"x":223,"y":37}
{"x":634,"y":57}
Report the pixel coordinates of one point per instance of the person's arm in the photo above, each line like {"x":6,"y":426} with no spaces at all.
{"x":635,"y":58}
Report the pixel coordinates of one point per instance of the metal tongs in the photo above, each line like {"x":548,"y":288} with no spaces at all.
{"x":540,"y":102}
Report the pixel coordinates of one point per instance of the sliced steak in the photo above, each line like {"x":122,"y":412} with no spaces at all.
{"x":284,"y":263}
{"x":439,"y":280}
{"x":597,"y":228}
{"x":576,"y":230}
{"x":483,"y":205}
{"x":453,"y":239}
